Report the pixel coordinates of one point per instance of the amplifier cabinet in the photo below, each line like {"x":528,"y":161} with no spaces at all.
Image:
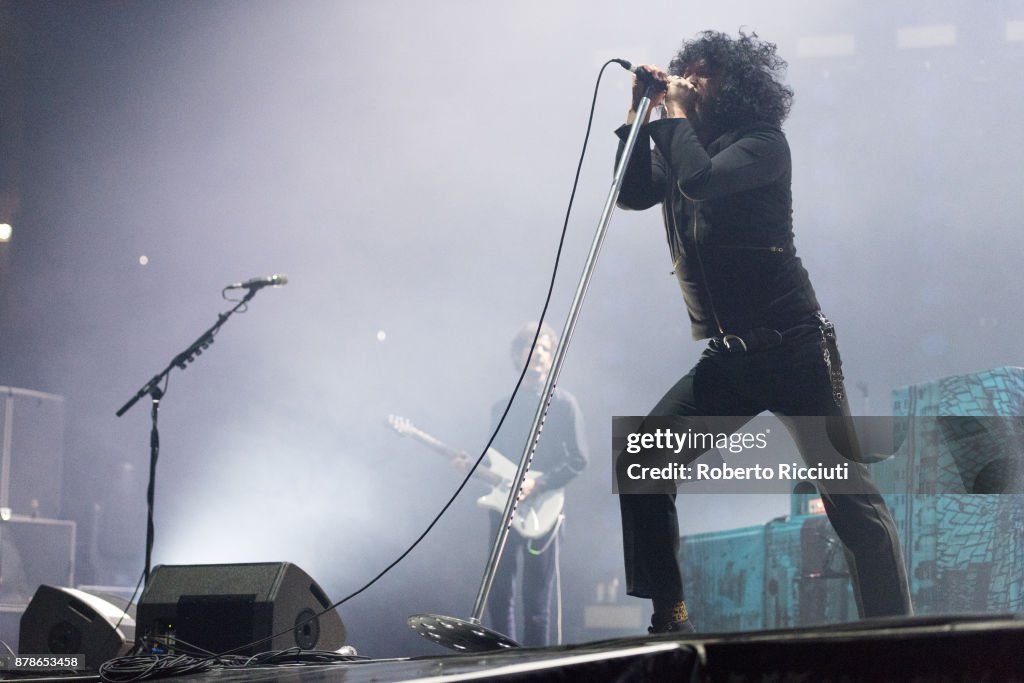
{"x":788,"y":573}
{"x":34,"y":551}
{"x":963,"y":544}
{"x":31,"y":452}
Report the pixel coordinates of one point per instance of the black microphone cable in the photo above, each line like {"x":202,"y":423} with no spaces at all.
{"x":144,"y":672}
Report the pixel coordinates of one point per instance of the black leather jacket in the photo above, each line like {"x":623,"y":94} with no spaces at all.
{"x":728,"y":219}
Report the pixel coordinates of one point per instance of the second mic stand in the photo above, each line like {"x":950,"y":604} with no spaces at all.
{"x":470,"y":635}
{"x":156,"y":393}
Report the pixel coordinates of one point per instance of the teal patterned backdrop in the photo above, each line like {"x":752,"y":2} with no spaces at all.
{"x":964,"y":551}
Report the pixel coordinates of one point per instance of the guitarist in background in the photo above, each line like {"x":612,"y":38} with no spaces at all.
{"x":561,"y":455}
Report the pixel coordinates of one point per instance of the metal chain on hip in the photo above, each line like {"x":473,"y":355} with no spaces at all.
{"x":830,"y":353}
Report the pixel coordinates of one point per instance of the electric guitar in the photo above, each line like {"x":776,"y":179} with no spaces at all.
{"x":534,"y":516}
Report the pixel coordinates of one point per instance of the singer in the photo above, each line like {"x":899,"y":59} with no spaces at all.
{"x":720,"y":168}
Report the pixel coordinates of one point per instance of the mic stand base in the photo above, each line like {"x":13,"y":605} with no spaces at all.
{"x":459,"y":634}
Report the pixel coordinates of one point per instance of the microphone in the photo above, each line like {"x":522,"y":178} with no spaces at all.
{"x":627,"y":65}
{"x":641,"y":74}
{"x":260,"y":282}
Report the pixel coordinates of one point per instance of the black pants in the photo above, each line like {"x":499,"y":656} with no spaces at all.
{"x":539,"y":560}
{"x":799,"y":376}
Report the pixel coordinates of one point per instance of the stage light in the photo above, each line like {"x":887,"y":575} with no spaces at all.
{"x":5,"y":232}
{"x":936,"y":35}
{"x":838,"y":45}
{"x":1015,"y":31}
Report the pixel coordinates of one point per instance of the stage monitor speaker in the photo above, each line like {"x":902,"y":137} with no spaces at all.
{"x":220,"y":607}
{"x":67,"y":621}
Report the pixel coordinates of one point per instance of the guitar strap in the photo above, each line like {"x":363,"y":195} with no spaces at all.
{"x":551,"y":538}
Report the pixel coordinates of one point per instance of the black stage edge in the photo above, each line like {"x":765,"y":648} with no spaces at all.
{"x":919,"y":649}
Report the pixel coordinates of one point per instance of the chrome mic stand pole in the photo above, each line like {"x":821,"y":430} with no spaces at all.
{"x":471,"y":636}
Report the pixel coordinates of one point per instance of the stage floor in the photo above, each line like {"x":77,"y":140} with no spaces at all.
{"x":983,"y":648}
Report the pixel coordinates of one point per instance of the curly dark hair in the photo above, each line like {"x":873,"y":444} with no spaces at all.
{"x":749,"y":73}
{"x":524,"y":338}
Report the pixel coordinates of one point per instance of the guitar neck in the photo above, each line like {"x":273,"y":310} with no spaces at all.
{"x":432,"y":441}
{"x":442,"y":448}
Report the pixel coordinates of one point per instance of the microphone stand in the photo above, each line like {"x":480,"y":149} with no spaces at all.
{"x":469,"y":635}
{"x":153,"y":390}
